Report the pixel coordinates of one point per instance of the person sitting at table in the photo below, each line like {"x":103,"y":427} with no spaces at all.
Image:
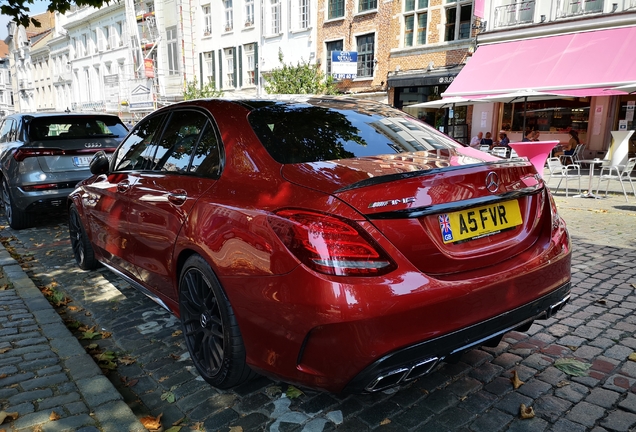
{"x":529,"y":136}
{"x":476,"y":141}
{"x":504,"y":141}
{"x":536,"y":136}
{"x":568,"y":149}
{"x":487,"y":140}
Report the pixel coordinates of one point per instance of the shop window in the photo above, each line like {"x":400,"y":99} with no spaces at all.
{"x":547,"y":116}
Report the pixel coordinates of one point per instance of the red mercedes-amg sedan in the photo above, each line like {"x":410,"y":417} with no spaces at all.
{"x":328,"y":242}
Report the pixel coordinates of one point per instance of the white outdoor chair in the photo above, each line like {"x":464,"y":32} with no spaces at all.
{"x":513,"y":154}
{"x":484,"y":147}
{"x":500,"y":151}
{"x":574,"y":157}
{"x":558,"y":170}
{"x":620,"y":173}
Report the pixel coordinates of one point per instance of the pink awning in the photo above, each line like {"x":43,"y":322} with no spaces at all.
{"x":585,"y":63}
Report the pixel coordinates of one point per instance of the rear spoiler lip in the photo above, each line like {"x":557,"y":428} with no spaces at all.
{"x":457,"y":205}
{"x":413,"y":174}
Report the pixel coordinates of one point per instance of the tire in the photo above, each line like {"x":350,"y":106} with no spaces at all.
{"x":211,"y":332}
{"x":18,"y":219}
{"x":81,"y":245}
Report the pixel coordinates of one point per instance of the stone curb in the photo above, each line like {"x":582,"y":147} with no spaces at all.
{"x":101,"y":397}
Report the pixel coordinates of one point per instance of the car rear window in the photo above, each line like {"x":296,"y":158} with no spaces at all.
{"x":302,"y":132}
{"x":71,"y":127}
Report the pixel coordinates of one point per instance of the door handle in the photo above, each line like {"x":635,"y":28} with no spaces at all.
{"x":177,"y":197}
{"x":123,"y":186}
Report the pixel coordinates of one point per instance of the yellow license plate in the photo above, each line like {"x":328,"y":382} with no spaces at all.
{"x":479,"y":221}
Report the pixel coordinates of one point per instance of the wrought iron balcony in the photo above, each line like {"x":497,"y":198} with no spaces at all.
{"x":514,"y":14}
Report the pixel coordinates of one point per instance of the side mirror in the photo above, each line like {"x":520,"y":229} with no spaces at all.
{"x":100,"y":163}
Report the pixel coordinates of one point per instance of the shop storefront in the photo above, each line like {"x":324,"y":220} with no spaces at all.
{"x":413,"y":88}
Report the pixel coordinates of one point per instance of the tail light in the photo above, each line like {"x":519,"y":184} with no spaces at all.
{"x":330,"y":245}
{"x":24,"y":152}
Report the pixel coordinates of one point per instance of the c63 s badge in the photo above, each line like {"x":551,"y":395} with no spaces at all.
{"x":393,"y":202}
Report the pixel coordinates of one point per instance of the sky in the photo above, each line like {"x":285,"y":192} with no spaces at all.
{"x":37,"y":7}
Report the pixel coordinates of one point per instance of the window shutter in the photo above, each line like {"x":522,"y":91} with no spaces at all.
{"x":221,"y":69}
{"x":256,"y":64}
{"x":240,"y":65}
{"x":235,"y":68}
{"x":201,"y":70}
{"x":213,"y":74}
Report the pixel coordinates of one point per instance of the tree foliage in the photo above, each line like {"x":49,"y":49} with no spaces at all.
{"x":19,"y":10}
{"x":304,"y":78}
{"x":193,"y":90}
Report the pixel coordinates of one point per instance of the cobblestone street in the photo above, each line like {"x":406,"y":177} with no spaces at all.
{"x":475,"y":394}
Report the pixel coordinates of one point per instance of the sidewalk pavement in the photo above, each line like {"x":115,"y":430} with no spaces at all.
{"x":44,"y":369}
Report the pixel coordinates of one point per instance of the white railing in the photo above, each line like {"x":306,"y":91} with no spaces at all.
{"x":570,"y":8}
{"x":513,"y":14}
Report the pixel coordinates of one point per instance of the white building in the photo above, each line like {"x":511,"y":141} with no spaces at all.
{"x":6,"y":90}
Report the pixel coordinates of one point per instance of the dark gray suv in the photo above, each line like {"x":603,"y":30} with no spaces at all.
{"x":44,"y":155}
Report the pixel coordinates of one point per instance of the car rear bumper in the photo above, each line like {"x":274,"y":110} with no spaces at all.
{"x":417,"y":360}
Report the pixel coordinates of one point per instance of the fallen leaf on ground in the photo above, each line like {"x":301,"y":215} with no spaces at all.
{"x":572,"y":367}
{"x":526,"y":412}
{"x":90,"y":333}
{"x":163,"y":378}
{"x":168,"y":397}
{"x":601,"y":301}
{"x":4,"y":375}
{"x":516,"y":382}
{"x":127,"y":360}
{"x":151,"y":423}
{"x":132,"y":382}
{"x":197,"y":426}
{"x":105,"y":334}
{"x":236,"y":429}
{"x":572,"y":347}
{"x":292,"y":392}
{"x":176,"y":333}
{"x":386,"y":421}
{"x":178,"y":422}
{"x":4,"y":287}
{"x":174,"y":356}
{"x":632,"y":357}
{"x":4,"y":350}
{"x":273,"y":391}
{"x":54,"y":416}
{"x":563,"y":383}
{"x":5,"y":415}
{"x":173,"y":429}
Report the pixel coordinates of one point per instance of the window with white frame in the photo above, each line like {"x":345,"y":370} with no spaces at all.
{"x":120,"y":29}
{"x":329,"y":48}
{"x":113,"y":35}
{"x":173,"y":55}
{"x":300,"y":14}
{"x":208,"y":58}
{"x":366,"y":55}
{"x":335,"y":9}
{"x":101,"y":41}
{"x":367,"y":5}
{"x":274,"y":17}
{"x":93,"y":42}
{"x":249,"y":13}
{"x":207,"y":19}
{"x":229,"y":67}
{"x":415,"y":21}
{"x":250,"y":65}
{"x":458,"y":17}
{"x":229,"y":15}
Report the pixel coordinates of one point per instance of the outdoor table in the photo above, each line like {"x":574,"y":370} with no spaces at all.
{"x":536,"y":151}
{"x":589,"y":193}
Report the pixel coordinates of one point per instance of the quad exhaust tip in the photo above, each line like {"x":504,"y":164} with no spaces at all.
{"x":402,"y":374}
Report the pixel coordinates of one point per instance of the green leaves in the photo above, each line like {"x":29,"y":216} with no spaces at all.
{"x":572,"y":367}
{"x":304,"y":78}
{"x":293,"y":393}
{"x":194,"y":90}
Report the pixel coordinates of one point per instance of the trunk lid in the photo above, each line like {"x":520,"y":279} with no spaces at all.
{"x":446,"y":211}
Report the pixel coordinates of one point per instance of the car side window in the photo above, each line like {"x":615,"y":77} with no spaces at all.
{"x":180,"y":138}
{"x":135,"y":152}
{"x":207,"y":156}
{"x":5,"y":130}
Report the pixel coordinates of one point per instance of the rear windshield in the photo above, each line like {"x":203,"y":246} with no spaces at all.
{"x":60,"y":127}
{"x":302,"y":132}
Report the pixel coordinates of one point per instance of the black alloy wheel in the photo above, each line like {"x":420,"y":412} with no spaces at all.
{"x":81,"y":245}
{"x":211,"y":332}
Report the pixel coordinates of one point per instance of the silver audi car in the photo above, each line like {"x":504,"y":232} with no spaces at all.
{"x":44,"y":155}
